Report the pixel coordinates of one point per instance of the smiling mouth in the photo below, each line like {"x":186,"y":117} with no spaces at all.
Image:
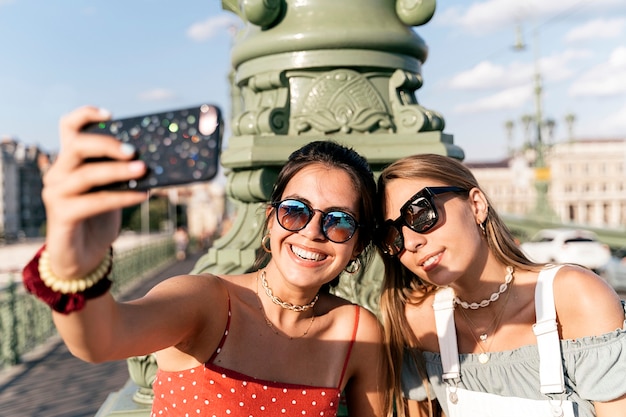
{"x":430,"y":261}
{"x":307,"y":255}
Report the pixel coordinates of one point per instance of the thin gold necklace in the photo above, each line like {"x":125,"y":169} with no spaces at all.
{"x":284,"y":304}
{"x":269,"y":323}
{"x":483,"y":357}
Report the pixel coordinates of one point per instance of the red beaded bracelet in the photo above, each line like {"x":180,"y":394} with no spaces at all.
{"x":58,"y":301}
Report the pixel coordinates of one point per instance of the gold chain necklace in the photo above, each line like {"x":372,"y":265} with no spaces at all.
{"x":288,"y":306}
{"x":269,"y":323}
{"x":493,"y":297}
{"x":483,"y":357}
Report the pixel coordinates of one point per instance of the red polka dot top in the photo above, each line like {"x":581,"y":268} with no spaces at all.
{"x":212,"y":391}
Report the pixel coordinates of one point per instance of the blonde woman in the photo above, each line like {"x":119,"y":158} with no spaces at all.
{"x":474,"y":327}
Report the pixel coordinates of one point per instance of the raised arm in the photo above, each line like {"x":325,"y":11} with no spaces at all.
{"x":81,"y":226}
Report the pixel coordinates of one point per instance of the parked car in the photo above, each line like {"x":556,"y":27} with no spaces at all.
{"x":615,"y":270}
{"x":573,"y":246}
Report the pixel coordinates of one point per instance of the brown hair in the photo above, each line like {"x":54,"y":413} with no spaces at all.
{"x":333,"y":155}
{"x":401,"y":286}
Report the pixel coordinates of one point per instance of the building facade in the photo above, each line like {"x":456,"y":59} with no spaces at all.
{"x":586,"y":182}
{"x":586,"y":186}
{"x":22,"y":212}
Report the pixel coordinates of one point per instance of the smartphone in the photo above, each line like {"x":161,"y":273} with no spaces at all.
{"x":178,"y":146}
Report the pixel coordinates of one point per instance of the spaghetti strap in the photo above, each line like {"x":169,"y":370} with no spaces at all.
{"x":345,"y":363}
{"x":223,"y":340}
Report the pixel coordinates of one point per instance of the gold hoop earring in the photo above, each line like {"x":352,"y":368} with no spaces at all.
{"x":265,"y":243}
{"x":483,"y":228}
{"x":353,"y":267}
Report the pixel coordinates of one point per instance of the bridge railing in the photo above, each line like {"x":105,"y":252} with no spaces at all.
{"x":26,"y":322}
{"x":525,"y":228}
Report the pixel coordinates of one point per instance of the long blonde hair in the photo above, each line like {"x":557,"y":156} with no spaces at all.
{"x":401,"y":286}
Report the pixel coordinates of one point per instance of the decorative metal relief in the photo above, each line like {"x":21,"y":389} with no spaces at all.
{"x":415,"y":12}
{"x":341,"y":101}
{"x":142,"y":370}
{"x":409,"y":116}
{"x":364,"y":287}
{"x":265,"y":98}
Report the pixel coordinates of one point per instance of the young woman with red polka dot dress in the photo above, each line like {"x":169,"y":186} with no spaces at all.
{"x":270,"y":342}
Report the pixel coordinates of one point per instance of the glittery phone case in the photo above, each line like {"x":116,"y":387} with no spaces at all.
{"x":178,"y":146}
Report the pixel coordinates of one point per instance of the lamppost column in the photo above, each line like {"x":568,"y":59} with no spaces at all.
{"x":308,"y":70}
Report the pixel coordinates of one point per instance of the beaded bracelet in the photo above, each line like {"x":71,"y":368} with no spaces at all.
{"x":71,"y":286}
{"x":95,"y":284}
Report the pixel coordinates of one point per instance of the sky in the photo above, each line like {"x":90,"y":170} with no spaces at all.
{"x":138,"y":56}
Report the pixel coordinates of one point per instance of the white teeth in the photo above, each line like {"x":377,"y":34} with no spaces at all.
{"x":304,"y":254}
{"x":430,"y":260}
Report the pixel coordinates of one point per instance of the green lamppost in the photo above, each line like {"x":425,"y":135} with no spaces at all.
{"x":305,"y":70}
{"x":543,"y":209}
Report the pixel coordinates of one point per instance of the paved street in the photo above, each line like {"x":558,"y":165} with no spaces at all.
{"x":53,"y":383}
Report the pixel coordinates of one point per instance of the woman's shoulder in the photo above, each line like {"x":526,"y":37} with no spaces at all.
{"x":193,"y":291}
{"x":346,"y":314}
{"x":336,"y":305}
{"x":189,"y":283}
{"x":586,"y":304}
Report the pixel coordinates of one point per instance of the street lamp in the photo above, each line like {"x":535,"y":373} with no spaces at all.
{"x":570,"y":118}
{"x":542,"y":171}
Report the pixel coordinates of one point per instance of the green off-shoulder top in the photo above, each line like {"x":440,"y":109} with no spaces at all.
{"x":594,"y":368}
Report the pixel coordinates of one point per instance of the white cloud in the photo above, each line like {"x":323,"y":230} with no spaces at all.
{"x":211,"y":27}
{"x":487,"y":75}
{"x":597,"y":29}
{"x":483,"y":17}
{"x":611,"y":125}
{"x":511,"y":98}
{"x":615,"y":123}
{"x":561,"y":66}
{"x":605,"y":79}
{"x":157,"y":94}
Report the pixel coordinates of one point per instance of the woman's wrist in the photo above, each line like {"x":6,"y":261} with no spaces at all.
{"x":71,"y":286}
{"x":65,"y":295}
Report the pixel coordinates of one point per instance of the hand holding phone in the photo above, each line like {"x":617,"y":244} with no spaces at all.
{"x":177,"y":146}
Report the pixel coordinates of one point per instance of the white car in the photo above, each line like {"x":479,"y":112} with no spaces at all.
{"x":615,"y":270}
{"x":573,"y":246}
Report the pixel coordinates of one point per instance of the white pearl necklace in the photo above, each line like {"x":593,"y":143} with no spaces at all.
{"x":493,"y":297}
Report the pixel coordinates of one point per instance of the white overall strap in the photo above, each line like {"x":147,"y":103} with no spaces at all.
{"x":548,"y":343}
{"x":446,"y":332}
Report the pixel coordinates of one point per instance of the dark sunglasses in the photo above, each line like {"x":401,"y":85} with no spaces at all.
{"x":293,"y":215}
{"x":419,"y":214}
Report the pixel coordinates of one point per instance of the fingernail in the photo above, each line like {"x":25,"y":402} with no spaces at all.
{"x":127,"y":149}
{"x":104,"y":113}
{"x":136,"y":166}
